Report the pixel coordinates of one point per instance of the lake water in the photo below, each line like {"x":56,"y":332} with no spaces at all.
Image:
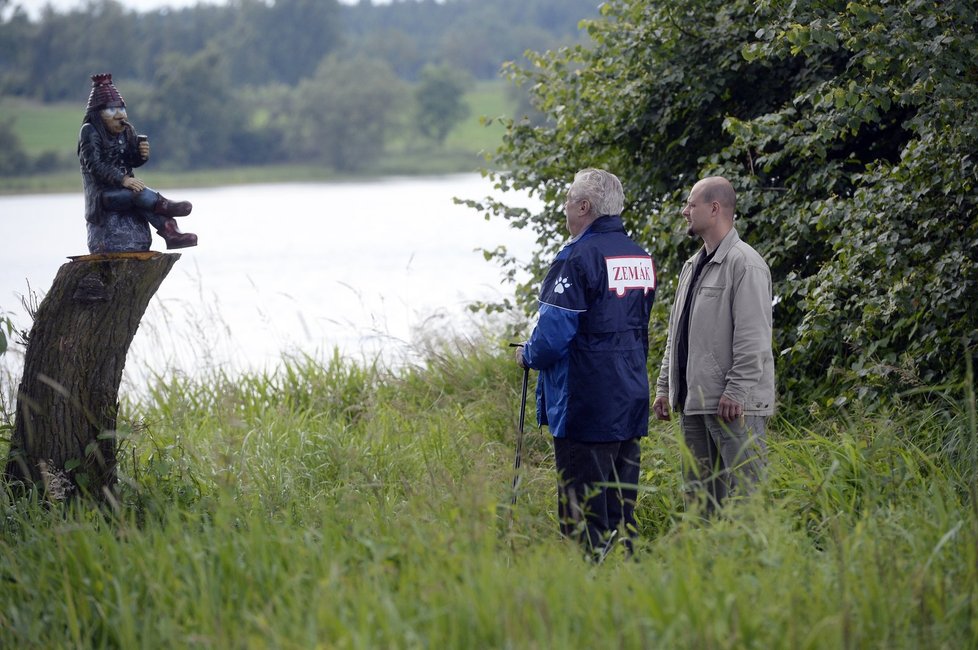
{"x":284,"y":269}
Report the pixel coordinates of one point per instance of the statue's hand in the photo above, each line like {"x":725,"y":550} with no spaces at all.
{"x":133,"y":183}
{"x":144,"y":150}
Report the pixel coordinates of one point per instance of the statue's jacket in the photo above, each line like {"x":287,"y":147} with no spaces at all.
{"x":105,"y":161}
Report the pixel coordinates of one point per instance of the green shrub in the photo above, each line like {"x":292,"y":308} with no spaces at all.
{"x":847,"y":130}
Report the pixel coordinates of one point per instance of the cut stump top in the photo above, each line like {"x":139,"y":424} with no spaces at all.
{"x":101,"y":257}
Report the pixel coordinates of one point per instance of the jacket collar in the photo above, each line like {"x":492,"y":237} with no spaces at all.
{"x":607,"y":223}
{"x":728,"y":242}
{"x":604,"y":223}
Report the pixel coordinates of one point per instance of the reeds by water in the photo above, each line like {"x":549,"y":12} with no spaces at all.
{"x":337,"y":504}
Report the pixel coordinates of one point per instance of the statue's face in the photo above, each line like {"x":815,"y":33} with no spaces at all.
{"x":114,"y":119}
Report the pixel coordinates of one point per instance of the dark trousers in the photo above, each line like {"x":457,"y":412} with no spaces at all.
{"x":597,"y":489}
{"x":122,"y":199}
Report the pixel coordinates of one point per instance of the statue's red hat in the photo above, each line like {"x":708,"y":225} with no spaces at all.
{"x":104,"y":93}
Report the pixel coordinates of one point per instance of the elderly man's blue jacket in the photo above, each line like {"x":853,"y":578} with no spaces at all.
{"x":591,"y":341}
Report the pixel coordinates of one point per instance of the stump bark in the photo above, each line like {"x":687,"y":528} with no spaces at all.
{"x":64,"y":437}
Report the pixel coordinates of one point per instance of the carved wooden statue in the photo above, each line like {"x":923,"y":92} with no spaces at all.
{"x":64,"y":441}
{"x":119,"y":207}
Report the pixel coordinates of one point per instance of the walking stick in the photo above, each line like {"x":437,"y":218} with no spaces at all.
{"x":519,"y":437}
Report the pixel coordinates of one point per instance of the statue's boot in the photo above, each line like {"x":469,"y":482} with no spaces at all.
{"x":173,"y":237}
{"x":167,"y":208}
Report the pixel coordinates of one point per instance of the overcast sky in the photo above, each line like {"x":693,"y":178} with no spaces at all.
{"x":33,"y":7}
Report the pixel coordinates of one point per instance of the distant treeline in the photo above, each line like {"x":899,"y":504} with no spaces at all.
{"x":258,"y":81}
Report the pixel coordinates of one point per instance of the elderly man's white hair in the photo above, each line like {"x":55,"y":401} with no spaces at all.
{"x":601,"y":188}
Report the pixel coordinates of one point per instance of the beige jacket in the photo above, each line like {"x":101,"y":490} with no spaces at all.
{"x":729,"y":333}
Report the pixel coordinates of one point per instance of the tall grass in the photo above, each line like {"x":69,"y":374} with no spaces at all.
{"x":332,"y":504}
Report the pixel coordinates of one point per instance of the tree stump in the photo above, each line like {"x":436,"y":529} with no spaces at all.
{"x":64,"y":439}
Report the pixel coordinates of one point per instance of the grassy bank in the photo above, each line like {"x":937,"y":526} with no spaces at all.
{"x":52,"y":129}
{"x":339,"y":505}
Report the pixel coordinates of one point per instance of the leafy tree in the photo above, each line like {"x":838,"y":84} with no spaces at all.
{"x":474,"y":35}
{"x":185,"y":31}
{"x":68,"y":48}
{"x":191,"y":114}
{"x":267,"y":42}
{"x":848,"y":130}
{"x":342,"y":116}
{"x":14,"y":161}
{"x":282,"y":41}
{"x":438,"y":97}
{"x":16,"y":37}
{"x":263,"y":139}
{"x":404,"y":53}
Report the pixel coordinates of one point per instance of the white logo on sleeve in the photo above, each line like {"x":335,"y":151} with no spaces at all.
{"x":626,"y":273}
{"x":561,"y":285}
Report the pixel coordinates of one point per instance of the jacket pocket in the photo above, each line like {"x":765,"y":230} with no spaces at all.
{"x":710,"y":292}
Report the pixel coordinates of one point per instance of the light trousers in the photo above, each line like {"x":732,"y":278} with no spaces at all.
{"x":727,"y":457}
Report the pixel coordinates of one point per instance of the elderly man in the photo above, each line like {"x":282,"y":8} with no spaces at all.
{"x":590,"y":346}
{"x":718,"y":368}
{"x":118,"y":205}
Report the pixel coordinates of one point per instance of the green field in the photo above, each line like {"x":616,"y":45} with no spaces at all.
{"x":487,"y":99}
{"x":44,"y":128}
{"x":337,"y":505}
{"x":466,"y":144}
